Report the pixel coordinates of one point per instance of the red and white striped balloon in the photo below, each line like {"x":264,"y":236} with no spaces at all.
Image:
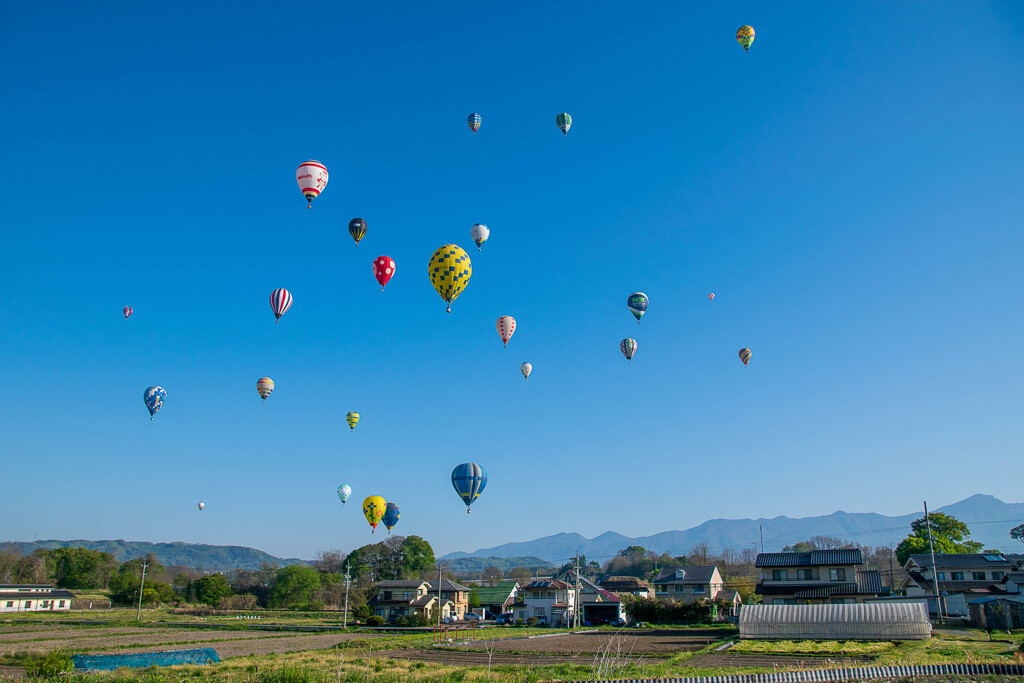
{"x":127,"y":312}
{"x":383,"y":269}
{"x":312,"y":179}
{"x":280,"y":301}
{"x":506,"y":328}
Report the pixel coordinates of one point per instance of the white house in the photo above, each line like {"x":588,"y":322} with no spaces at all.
{"x":34,"y":598}
{"x":549,"y":600}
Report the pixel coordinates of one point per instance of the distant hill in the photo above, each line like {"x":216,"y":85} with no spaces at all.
{"x":989,"y":519}
{"x":215,"y":557}
{"x":467,"y":565}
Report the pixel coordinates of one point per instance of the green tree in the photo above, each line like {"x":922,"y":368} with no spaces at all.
{"x":949,"y":536}
{"x":520,"y":574}
{"x":417,"y":555}
{"x":78,"y":567}
{"x":474,"y":598}
{"x":294,"y":587}
{"x":210,"y":589}
{"x":492,"y":575}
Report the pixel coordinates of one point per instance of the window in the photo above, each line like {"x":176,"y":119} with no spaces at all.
{"x":805,"y":574}
{"x":538,"y":611}
{"x":978,"y":576}
{"x":662,"y":588}
{"x":407,"y":595}
{"x":28,"y":603}
{"x":942,"y":576}
{"x":784,"y":601}
{"x":698,"y":589}
{"x":386,"y":595}
{"x":837,"y":575}
{"x":779,"y":575}
{"x":10,"y":603}
{"x":60,"y":604}
{"x":958,"y":576}
{"x":679,"y":588}
{"x":44,"y":603}
{"x":997,"y":576}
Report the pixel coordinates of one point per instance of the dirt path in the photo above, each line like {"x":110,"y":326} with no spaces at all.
{"x":476,"y":658}
{"x":49,"y":634}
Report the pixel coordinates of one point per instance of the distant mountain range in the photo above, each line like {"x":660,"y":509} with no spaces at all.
{"x":215,"y":557}
{"x":470,"y":565}
{"x":989,"y":519}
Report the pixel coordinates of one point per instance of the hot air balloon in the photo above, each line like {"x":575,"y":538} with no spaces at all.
{"x":373,"y":509}
{"x":201,"y":505}
{"x":280,"y":302}
{"x":344,"y":491}
{"x":469,"y":480}
{"x":564,"y":121}
{"x":637,"y":303}
{"x":357,"y":228}
{"x":383,"y":270}
{"x":506,"y":328}
{"x":449,"y":270}
{"x":391,"y":515}
{"x":479,"y":233}
{"x":745,"y":355}
{"x":265,"y":386}
{"x":312,"y":179}
{"x":154,"y":398}
{"x":628,"y":348}
{"x":474,"y":121}
{"x":711,"y":296}
{"x":745,"y":37}
{"x":526,"y":369}
{"x":353,"y":419}
{"x":127,"y":312}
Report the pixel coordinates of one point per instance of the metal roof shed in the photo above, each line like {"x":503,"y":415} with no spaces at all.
{"x":867,"y":621}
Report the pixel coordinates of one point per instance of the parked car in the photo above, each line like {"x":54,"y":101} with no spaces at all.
{"x":505,"y":619}
{"x":470,"y":616}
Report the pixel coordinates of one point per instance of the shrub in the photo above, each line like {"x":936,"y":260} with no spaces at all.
{"x":50,"y":664}
{"x":532,"y":621}
{"x":519,"y":622}
{"x":374,"y":620}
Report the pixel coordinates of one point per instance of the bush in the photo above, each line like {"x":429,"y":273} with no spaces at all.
{"x":531,"y":622}
{"x":374,"y":620}
{"x":50,"y":664}
{"x":519,"y":622}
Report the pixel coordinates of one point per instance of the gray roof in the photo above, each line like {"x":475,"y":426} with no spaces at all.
{"x":727,"y":595}
{"x":699,"y":574}
{"x":448,"y":585}
{"x":16,"y":586}
{"x":1016,"y":577}
{"x":868,"y":583}
{"x":813,"y":558}
{"x":955,"y":586}
{"x":965,"y":560}
{"x":35,"y":595}
{"x":400,"y":584}
{"x":624,"y":584}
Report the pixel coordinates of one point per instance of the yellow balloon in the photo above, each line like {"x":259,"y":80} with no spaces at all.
{"x":353,"y":419}
{"x":374,"y":508}
{"x":449,"y":271}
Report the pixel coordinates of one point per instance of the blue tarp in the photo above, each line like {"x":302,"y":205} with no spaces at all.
{"x":206,"y":655}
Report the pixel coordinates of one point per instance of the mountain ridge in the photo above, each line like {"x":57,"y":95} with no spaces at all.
{"x":990,"y":520}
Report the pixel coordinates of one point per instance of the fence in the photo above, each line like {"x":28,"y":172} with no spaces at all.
{"x":860,"y":674}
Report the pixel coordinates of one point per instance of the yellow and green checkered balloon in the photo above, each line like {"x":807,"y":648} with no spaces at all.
{"x":449,"y":270}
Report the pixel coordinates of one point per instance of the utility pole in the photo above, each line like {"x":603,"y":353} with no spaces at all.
{"x":892,"y":576}
{"x":761,"y":528}
{"x":348,"y":566}
{"x":142,"y":586}
{"x":439,"y":606}
{"x":935,"y":571}
{"x":576,"y":608}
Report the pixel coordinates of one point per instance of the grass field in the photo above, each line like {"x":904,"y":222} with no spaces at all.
{"x":500,"y":654}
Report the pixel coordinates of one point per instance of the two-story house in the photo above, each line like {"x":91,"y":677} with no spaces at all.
{"x":498,"y":598}
{"x":968,"y":574}
{"x":34,"y":597}
{"x":596,"y":604}
{"x":818,"y":576}
{"x":627,"y":585}
{"x":394,"y":599}
{"x":550,"y":600}
{"x":684,"y":584}
{"x":455,"y":593}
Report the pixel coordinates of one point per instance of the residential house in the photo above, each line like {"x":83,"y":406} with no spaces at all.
{"x":550,"y":600}
{"x":396,"y":599}
{"x":1014,"y":583}
{"x":970,"y":575}
{"x":684,"y":584}
{"x":596,"y":604}
{"x":818,"y":576}
{"x":627,"y":585}
{"x":34,"y":597}
{"x":498,"y":598}
{"x":455,"y":593}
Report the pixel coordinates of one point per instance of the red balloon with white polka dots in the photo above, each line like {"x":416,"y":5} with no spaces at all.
{"x":383,"y":270}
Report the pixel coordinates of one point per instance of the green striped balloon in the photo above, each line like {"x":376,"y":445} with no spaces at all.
{"x":564,"y":121}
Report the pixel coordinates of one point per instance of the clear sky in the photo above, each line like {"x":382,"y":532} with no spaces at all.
{"x":850,"y":190}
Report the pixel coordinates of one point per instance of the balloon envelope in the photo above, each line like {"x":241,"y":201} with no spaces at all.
{"x":506,"y":326}
{"x":469,"y":480}
{"x":449,"y":270}
{"x":265,"y":386}
{"x":745,"y":355}
{"x":127,"y":312}
{"x":628,"y":348}
{"x":383,"y":270}
{"x":352,"y":418}
{"x":526,"y":369}
{"x":373,"y":509}
{"x":637,"y":303}
{"x":745,"y":37}
{"x":474,"y":121}
{"x":154,"y":397}
{"x":280,"y":302}
{"x":479,"y":233}
{"x":202,"y":505}
{"x":711,"y":296}
{"x":563,"y":121}
{"x":391,"y":515}
{"x":312,"y":179}
{"x":357,"y":228}
{"x":344,"y":491}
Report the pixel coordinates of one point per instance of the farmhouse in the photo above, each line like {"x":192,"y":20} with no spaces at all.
{"x":819,"y":576}
{"x":970,"y":575}
{"x":33,"y":597}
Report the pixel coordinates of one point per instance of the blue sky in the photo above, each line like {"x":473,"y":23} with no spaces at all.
{"x":849,"y":191}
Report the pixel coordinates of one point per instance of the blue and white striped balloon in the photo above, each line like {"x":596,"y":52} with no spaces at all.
{"x":469,"y":480}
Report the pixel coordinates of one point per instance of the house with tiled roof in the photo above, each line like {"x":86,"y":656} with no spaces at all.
{"x":816,"y":577}
{"x":454,"y":593}
{"x":550,"y":600}
{"x":684,"y":584}
{"x":34,"y":597}
{"x":496,"y":599}
{"x":627,"y":585}
{"x":971,"y":575}
{"x":1014,"y":583}
{"x":394,"y":599}
{"x":597,"y":605}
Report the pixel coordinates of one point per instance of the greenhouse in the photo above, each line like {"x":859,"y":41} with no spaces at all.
{"x":868,"y":621}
